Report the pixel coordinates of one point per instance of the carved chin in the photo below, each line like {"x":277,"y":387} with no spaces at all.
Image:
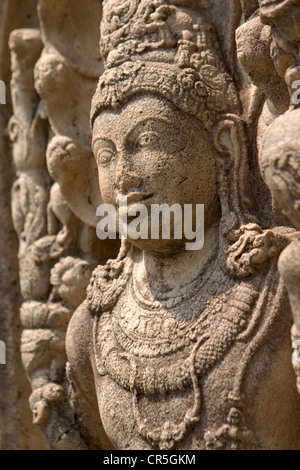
{"x":159,"y":246}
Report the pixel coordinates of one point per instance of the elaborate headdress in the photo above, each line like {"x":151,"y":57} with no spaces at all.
{"x":151,"y":46}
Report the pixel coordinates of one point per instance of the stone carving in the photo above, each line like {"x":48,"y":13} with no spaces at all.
{"x":278,"y":145}
{"x":57,"y":250}
{"x":171,"y":349}
{"x":182,"y":351}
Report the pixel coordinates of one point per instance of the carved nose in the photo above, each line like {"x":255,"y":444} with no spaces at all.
{"x":126,"y":179}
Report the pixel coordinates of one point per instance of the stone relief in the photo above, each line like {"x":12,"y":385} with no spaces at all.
{"x":57,"y":250}
{"x":157,"y":347}
{"x":162,"y":345}
{"x":278,"y":24}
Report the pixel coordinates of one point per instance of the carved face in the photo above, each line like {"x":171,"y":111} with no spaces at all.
{"x":153,"y":154}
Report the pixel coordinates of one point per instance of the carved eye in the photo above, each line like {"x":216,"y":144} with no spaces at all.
{"x":105,"y":156}
{"x":147,"y":140}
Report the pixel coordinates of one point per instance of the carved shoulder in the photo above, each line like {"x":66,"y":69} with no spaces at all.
{"x":78,"y":339}
{"x":81,"y":378}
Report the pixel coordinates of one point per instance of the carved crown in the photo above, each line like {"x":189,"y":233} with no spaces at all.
{"x":163,"y":47}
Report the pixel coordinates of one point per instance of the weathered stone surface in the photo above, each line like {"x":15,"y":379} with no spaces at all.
{"x":170,"y":348}
{"x":16,"y":428}
{"x":278,"y":141}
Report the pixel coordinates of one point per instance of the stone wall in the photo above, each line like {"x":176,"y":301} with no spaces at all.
{"x":16,"y":428}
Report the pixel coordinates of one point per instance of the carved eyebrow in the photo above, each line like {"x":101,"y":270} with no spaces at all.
{"x":102,"y":139}
{"x":132,"y":130}
{"x":145,"y":121}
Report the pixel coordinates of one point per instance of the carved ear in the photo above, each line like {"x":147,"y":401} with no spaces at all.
{"x":225,"y":137}
{"x":229,"y":141}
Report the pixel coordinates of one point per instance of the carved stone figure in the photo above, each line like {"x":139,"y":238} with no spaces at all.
{"x":159,"y":347}
{"x":180,"y":350}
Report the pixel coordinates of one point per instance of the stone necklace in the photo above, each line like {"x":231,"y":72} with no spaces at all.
{"x":127,"y":340}
{"x":157,"y":328}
